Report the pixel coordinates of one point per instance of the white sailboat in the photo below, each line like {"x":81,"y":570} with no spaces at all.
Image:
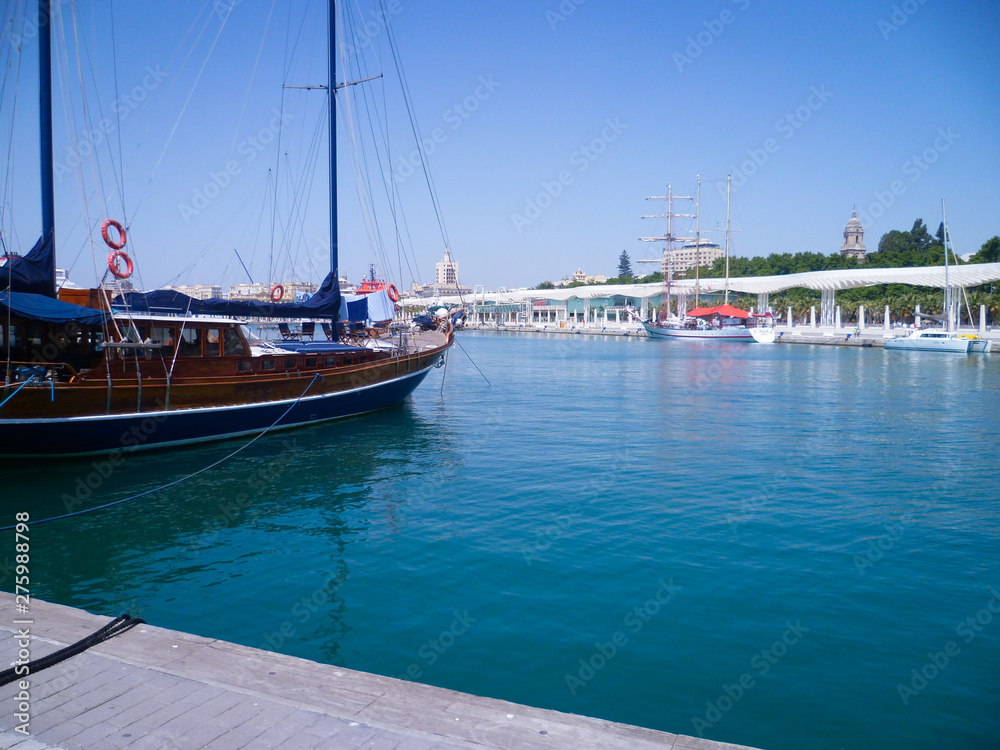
{"x":946,"y":339}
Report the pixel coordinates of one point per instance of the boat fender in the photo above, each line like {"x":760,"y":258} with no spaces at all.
{"x":392,"y":292}
{"x":113,"y":259}
{"x":107,"y":238}
{"x":277,"y":292}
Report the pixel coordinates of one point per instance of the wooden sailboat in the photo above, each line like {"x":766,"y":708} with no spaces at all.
{"x":165,"y":369}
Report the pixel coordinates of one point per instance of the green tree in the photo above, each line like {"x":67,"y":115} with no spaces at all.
{"x":625,"y":266}
{"x":989,"y":252}
{"x":546,"y":285}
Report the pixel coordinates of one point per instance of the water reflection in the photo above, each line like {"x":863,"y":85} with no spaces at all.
{"x":259,"y":541}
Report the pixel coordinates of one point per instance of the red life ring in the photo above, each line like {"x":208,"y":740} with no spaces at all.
{"x":392,"y":292}
{"x":113,"y":264}
{"x":107,"y":238}
{"x":277,"y":292}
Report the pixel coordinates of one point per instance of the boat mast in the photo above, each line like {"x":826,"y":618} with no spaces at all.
{"x":45,"y":129}
{"x":668,"y":252}
{"x":697,"y":246}
{"x":947,"y":288}
{"x":729,"y":187}
{"x":332,"y":94}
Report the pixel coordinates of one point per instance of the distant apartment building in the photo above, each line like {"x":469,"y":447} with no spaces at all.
{"x":199,"y":291}
{"x":445,"y":280}
{"x":291,"y":291}
{"x":694,"y":254}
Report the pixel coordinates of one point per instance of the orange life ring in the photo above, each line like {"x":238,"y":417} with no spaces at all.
{"x":113,"y":264}
{"x":392,"y":292}
{"x":277,"y":292}
{"x":107,"y":238}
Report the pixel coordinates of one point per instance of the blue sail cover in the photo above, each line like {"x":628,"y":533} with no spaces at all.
{"x":34,"y":273}
{"x":40,"y":307}
{"x":324,"y":304}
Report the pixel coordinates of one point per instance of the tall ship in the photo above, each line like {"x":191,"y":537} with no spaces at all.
{"x":93,"y":371}
{"x":718,"y":323}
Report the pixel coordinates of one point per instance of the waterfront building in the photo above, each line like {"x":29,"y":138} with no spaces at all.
{"x":696,"y":253}
{"x":199,"y":291}
{"x":293,"y":290}
{"x":854,"y":238}
{"x":445,"y":280}
{"x":582,"y":278}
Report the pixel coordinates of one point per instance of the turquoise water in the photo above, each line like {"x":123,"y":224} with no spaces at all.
{"x":756,"y":544}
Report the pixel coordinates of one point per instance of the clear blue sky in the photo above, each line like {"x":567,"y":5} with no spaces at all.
{"x":813,"y":107}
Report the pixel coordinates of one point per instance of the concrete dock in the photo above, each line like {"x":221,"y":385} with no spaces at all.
{"x":156,"y":689}
{"x":870,"y":337}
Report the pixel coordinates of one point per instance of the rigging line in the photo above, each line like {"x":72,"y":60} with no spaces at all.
{"x":175,"y":482}
{"x":413,"y":122}
{"x":187,"y":101}
{"x":63,"y":76}
{"x":121,"y":158}
{"x":455,"y":339}
{"x":277,"y":154}
{"x":95,"y":170}
{"x":13,"y":118}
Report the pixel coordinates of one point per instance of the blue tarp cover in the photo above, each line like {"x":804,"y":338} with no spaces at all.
{"x":34,"y":273}
{"x":324,"y":304}
{"x":39,"y":307}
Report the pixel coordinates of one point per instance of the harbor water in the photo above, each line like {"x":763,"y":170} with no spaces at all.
{"x":778,"y":546}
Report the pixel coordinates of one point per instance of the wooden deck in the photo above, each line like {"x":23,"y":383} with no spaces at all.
{"x":158,"y":689}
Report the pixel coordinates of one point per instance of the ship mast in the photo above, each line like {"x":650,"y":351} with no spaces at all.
{"x":45,"y":131}
{"x":332,"y":95}
{"x":697,"y":246}
{"x":729,"y":187}
{"x":669,"y":237}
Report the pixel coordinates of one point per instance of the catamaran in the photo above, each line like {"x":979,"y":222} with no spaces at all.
{"x":93,"y":375}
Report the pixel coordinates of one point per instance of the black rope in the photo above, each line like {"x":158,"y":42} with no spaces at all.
{"x":116,"y":627}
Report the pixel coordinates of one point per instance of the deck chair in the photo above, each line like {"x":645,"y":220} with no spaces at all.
{"x":286,"y":332}
{"x":328,"y":331}
{"x":308,"y":329}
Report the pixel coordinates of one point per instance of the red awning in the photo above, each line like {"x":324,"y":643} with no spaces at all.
{"x":726,"y":311}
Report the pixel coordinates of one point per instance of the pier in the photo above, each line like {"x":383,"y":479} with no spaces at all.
{"x":157,"y":689}
{"x":868,"y":337}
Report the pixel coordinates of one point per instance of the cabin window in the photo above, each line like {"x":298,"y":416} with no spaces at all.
{"x":331,"y":361}
{"x":349,"y":360}
{"x":190,"y":342}
{"x":244,"y":365}
{"x":232,"y":344}
{"x":267,"y":364}
{"x":165,"y":337}
{"x":310,"y":362}
{"x":290,"y":363}
{"x":213,"y":342}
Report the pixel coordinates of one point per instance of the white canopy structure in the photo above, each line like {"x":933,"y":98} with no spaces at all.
{"x":827,"y":281}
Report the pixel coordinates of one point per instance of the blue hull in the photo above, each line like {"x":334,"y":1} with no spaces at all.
{"x":82,"y":436}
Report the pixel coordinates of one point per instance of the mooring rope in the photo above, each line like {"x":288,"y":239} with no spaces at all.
{"x":184,"y":478}
{"x":116,"y":627}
